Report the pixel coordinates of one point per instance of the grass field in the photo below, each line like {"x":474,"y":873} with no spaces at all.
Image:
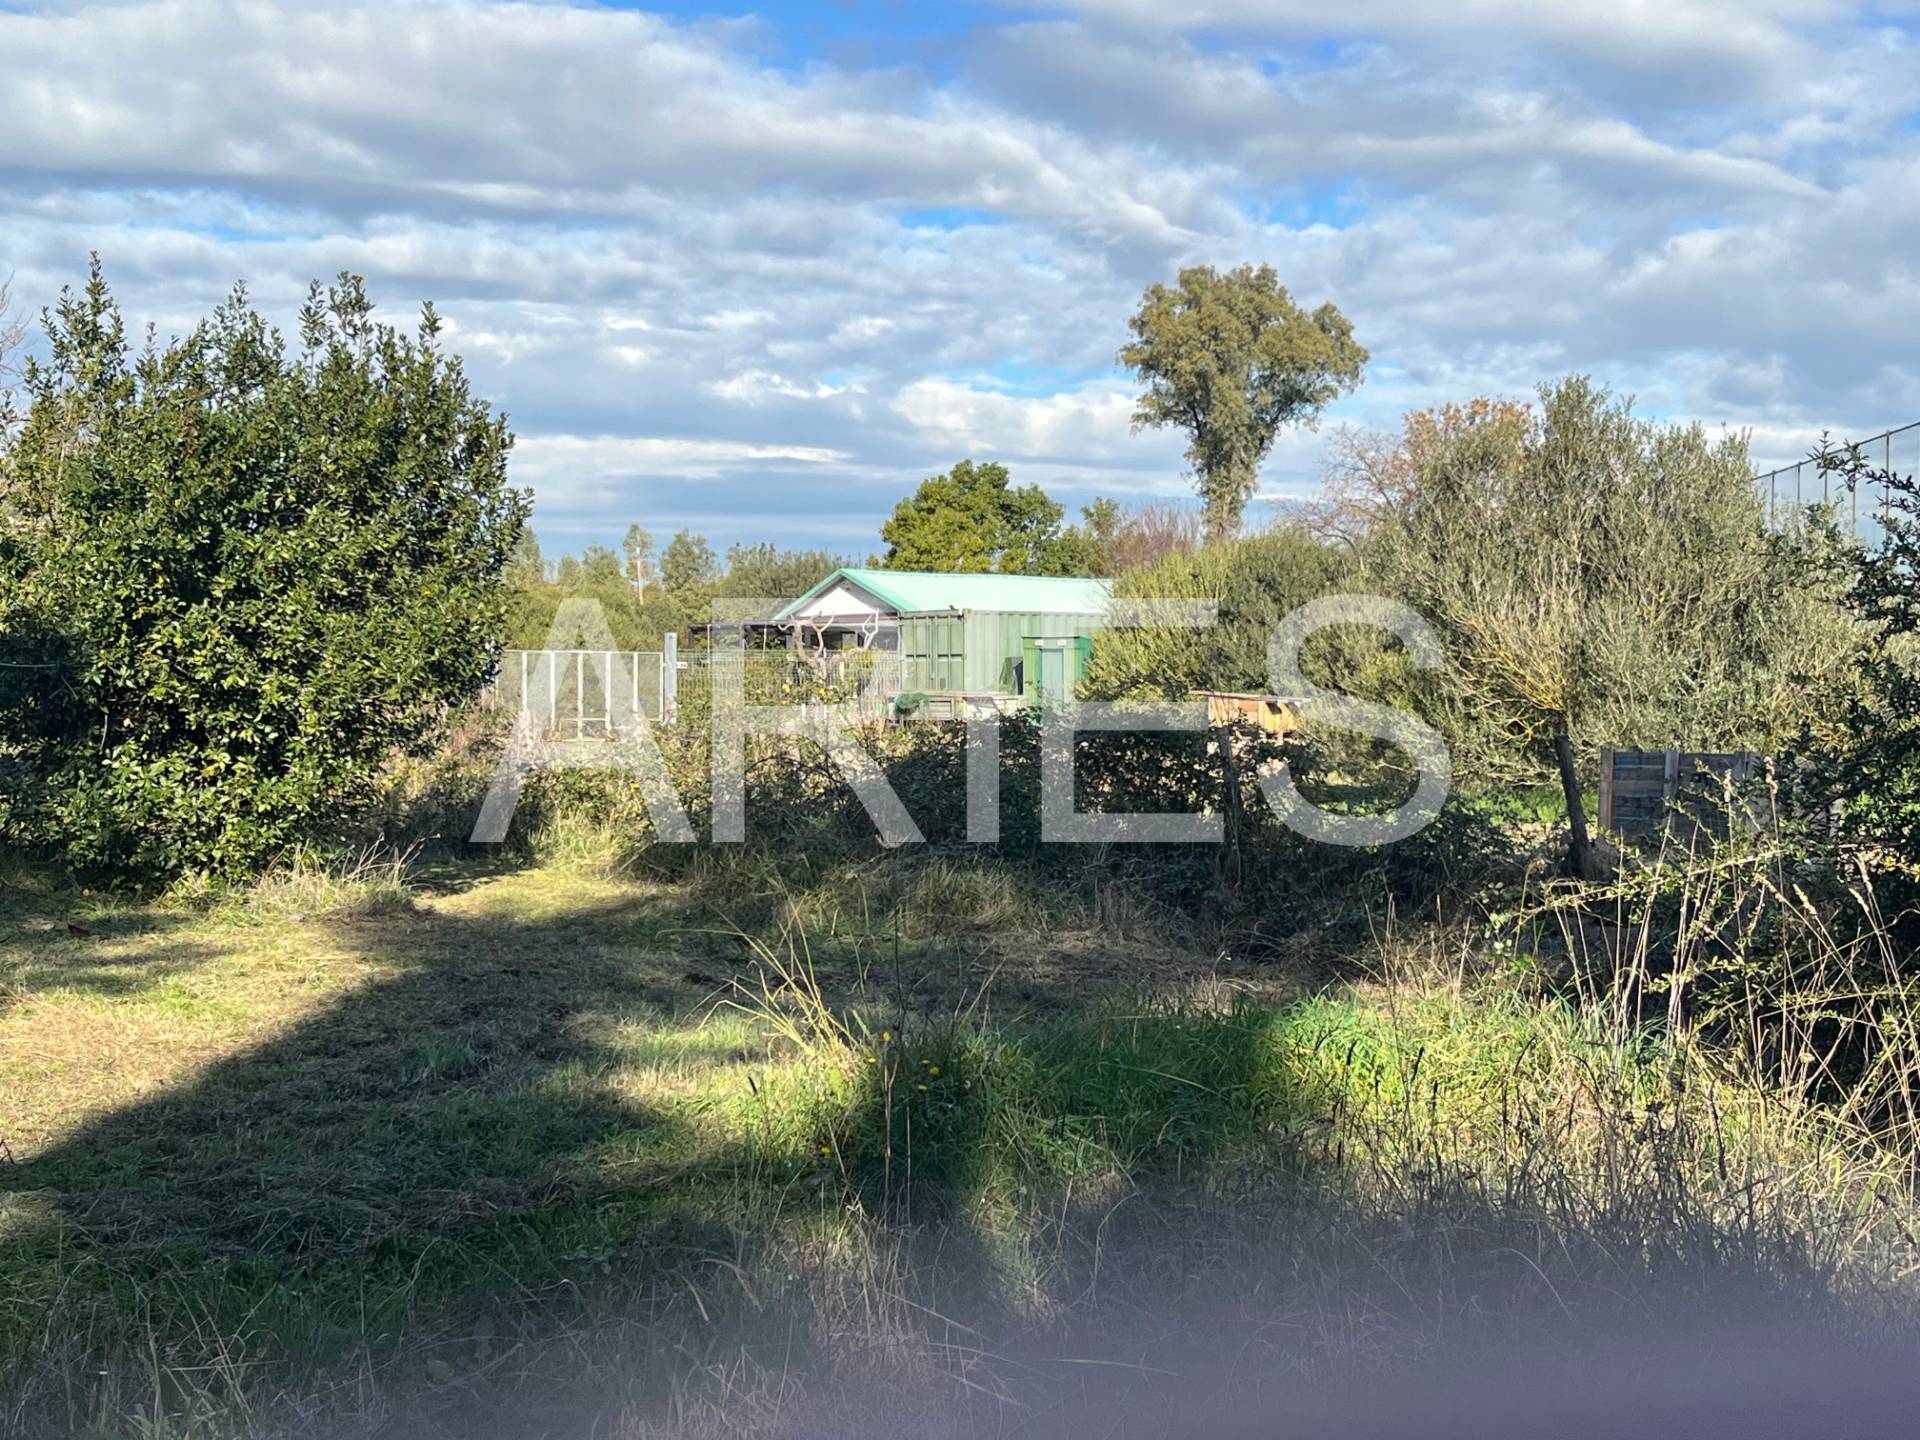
{"x":545,"y":1151}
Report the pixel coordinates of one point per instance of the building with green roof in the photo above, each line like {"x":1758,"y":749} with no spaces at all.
{"x":1002,"y":638}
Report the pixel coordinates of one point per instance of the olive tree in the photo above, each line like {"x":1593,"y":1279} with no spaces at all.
{"x":235,"y":577}
{"x":1230,"y":359}
{"x":1599,"y":578}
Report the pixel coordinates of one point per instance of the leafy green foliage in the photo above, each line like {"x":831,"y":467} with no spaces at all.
{"x":973,"y":520}
{"x":688,"y":567}
{"x":233,"y":579}
{"x":1872,"y":758}
{"x":533,"y":603}
{"x":1230,"y":359}
{"x":766,"y":571}
{"x":1256,"y":582}
{"x":688,"y":561}
{"x":690,"y":576}
{"x":1600,"y":576}
{"x":528,"y":567}
{"x":600,"y":566}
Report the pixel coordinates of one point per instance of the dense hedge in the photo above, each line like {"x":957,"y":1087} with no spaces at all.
{"x":234,"y":578}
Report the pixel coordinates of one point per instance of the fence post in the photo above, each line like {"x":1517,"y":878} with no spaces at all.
{"x":1670,"y":781}
{"x":1886,"y":490}
{"x":669,"y":675}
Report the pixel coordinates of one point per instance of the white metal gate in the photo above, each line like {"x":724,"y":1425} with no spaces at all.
{"x":588,"y":694}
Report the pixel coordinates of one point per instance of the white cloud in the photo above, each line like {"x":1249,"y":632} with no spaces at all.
{"x":757,"y":387}
{"x":654,"y":454}
{"x":860,"y":328}
{"x":690,"y":274}
{"x":1093,"y":422}
{"x":1634,"y":33}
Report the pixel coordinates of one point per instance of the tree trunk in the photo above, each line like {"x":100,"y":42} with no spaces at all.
{"x":1226,"y":487}
{"x":1576,"y":811}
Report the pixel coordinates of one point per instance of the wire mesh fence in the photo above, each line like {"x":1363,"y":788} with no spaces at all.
{"x":866,"y":681}
{"x":591,"y":694}
{"x":1792,"y":489}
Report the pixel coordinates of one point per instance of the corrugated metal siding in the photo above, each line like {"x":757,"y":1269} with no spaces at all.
{"x":933,"y":649}
{"x":980,"y":651}
{"x":995,"y":639}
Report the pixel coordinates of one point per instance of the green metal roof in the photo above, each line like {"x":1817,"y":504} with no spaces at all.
{"x":915,"y":592}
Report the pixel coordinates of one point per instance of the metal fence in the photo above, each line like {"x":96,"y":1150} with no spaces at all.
{"x":864,"y":680}
{"x":585,"y":694}
{"x":589,"y":694}
{"x":1792,"y":488}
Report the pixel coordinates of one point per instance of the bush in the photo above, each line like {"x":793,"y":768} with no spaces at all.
{"x":233,"y":580}
{"x":808,"y":833}
{"x":1601,"y":579}
{"x":1256,"y":583}
{"x":1871,"y":758}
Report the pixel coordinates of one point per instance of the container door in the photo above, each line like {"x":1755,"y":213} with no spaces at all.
{"x":1053,"y":675}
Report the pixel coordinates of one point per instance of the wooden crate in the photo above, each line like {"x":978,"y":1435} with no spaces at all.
{"x":1645,"y":793}
{"x":1264,"y":712}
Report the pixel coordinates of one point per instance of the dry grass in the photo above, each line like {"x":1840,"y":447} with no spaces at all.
{"x":552,"y":1152}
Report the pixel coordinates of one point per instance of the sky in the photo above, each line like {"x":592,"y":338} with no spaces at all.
{"x":756,"y":272}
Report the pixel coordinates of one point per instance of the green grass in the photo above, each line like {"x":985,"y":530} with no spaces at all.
{"x":551,"y":1151}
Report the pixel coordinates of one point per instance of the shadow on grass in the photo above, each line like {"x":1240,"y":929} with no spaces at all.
{"x":443,"y":1192}
{"x":431,"y":1141}
{"x":122,"y":953}
{"x":452,"y":1155}
{"x":457,"y":1086}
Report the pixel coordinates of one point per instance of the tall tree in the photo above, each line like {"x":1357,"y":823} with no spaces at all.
{"x":528,"y":567}
{"x":1104,"y":519}
{"x":1230,"y":359}
{"x":973,"y":519}
{"x":600,"y":566}
{"x":765,"y":571}
{"x":235,"y":578}
{"x":687,"y":563}
{"x":688,"y":570}
{"x":638,"y":547}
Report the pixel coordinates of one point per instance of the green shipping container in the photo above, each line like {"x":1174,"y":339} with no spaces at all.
{"x":986,"y":651}
{"x":970,"y":634}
